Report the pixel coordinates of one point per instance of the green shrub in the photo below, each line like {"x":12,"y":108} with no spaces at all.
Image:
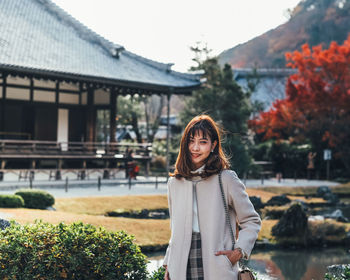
{"x":36,"y":199}
{"x":344,"y":275}
{"x":76,"y":251}
{"x":274,"y":212}
{"x":158,"y":274}
{"x":11,"y":201}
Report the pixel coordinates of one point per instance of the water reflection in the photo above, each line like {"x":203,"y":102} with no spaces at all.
{"x":298,"y":264}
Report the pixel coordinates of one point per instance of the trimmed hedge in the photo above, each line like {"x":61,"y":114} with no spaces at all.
{"x":76,"y":251}
{"x":11,"y":201}
{"x":36,"y":199}
{"x":161,"y":213}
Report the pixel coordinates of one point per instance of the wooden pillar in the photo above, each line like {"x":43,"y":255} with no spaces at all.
{"x":83,"y":114}
{"x":3,"y":103}
{"x":90,"y":116}
{"x":31,"y":91}
{"x":168,"y":133}
{"x":112,"y":116}
{"x":57,"y":93}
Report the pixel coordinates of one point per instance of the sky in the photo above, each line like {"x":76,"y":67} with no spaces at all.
{"x":164,"y":30}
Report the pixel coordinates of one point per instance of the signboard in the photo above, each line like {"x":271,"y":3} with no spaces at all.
{"x":327,"y":154}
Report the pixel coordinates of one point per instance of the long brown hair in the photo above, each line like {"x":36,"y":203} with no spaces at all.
{"x":215,"y":162}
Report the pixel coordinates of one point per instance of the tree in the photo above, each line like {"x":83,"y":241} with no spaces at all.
{"x":153,"y":106}
{"x":129,"y":113}
{"x":129,"y":109}
{"x":223,"y":99}
{"x":317,"y":104}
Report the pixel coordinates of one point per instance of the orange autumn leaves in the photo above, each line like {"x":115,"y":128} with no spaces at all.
{"x":317,"y":103}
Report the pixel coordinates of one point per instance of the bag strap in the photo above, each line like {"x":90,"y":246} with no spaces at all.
{"x":228,"y":221}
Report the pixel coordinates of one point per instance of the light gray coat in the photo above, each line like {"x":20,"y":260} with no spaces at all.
{"x":215,"y":233}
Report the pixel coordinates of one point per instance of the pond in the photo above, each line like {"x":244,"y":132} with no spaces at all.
{"x":283,"y":264}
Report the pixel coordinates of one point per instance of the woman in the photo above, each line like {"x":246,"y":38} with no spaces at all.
{"x":201,"y":244}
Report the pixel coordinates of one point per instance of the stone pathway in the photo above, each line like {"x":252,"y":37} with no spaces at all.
{"x":141,"y":186}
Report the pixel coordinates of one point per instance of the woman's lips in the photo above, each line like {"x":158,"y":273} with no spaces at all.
{"x":195,"y":155}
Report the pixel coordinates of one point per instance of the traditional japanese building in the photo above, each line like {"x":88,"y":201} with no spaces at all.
{"x":55,"y":74}
{"x":270,"y":83}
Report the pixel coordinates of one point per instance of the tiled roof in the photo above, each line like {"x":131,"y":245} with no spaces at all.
{"x":38,"y":35}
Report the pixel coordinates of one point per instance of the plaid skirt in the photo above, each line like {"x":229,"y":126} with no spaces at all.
{"x":195,"y":263}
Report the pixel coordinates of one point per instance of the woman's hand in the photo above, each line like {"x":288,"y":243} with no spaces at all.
{"x":233,"y":255}
{"x":166,"y":275}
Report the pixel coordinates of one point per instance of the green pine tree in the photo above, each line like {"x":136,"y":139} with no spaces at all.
{"x":225,"y":101}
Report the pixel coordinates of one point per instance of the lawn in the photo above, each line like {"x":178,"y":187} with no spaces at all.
{"x":146,"y":231}
{"x":100,"y":205}
{"x":306,"y":191}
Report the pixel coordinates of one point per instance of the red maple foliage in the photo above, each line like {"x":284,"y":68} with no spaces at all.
{"x":317,"y":103}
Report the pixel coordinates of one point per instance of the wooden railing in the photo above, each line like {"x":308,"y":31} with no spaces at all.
{"x":46,"y":149}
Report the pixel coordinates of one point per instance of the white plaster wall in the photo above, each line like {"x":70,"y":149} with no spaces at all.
{"x":69,"y":98}
{"x":101,"y":97}
{"x":0,"y":92}
{"x":43,"y":83}
{"x":17,"y":93}
{"x":69,"y":86}
{"x":18,"y":81}
{"x":84,"y":98}
{"x":62,"y":128}
{"x":44,"y":96}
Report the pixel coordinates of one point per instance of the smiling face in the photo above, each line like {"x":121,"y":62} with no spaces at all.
{"x":199,"y":147}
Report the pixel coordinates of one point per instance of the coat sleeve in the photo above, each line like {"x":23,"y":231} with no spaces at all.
{"x":165,"y":262}
{"x":247,"y":218}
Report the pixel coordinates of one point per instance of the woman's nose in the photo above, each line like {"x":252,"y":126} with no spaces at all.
{"x":195,"y":147}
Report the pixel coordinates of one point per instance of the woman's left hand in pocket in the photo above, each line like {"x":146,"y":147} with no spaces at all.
{"x":233,"y":255}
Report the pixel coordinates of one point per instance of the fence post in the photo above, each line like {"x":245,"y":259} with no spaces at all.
{"x":129,"y":182}
{"x":262,"y":178}
{"x":30,"y":182}
{"x":99,"y":183}
{"x":66,"y":185}
{"x":156,"y":182}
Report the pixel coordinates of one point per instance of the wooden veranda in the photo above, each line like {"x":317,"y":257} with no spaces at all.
{"x":78,"y":157}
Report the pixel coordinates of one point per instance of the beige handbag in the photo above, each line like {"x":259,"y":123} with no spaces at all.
{"x":244,"y":273}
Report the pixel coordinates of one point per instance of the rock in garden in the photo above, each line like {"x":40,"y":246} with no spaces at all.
{"x":293,"y":223}
{"x":4,"y":224}
{"x":303,"y":203}
{"x":256,"y":201}
{"x":321,"y":191}
{"x":331,"y":198}
{"x":338,"y":271}
{"x":278,"y":200}
{"x":316,"y":218}
{"x":337,"y":215}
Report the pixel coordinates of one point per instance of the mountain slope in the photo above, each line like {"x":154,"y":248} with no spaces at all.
{"x":312,"y":21}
